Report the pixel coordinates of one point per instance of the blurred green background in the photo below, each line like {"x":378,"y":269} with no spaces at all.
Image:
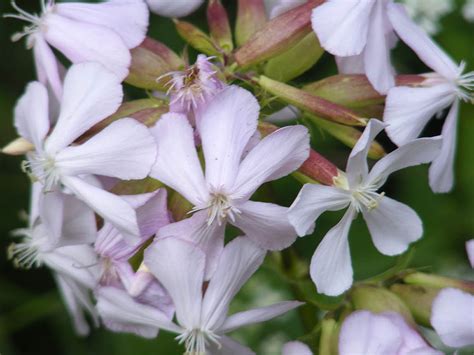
{"x":32,"y":317}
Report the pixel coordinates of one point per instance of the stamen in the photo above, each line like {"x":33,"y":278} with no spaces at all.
{"x":465,"y":84}
{"x":43,"y":169}
{"x":366,"y":197}
{"x":219,"y":208}
{"x":196,"y":341}
{"x":25,"y":254}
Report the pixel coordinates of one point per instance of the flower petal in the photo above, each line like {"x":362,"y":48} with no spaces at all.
{"x":225,"y":126}
{"x":407,"y":110}
{"x":47,"y":66}
{"x":177,"y":164}
{"x":127,"y":18}
{"x":393,"y":226}
{"x":258,"y":315}
{"x":179,"y":266}
{"x":51,"y":213}
{"x":442,"y":168}
{"x":266,"y":224}
{"x":351,"y":65}
{"x":452,"y":316}
{"x":342,"y":26}
{"x":311,"y":202}
{"x":470,"y":251}
{"x":277,"y":155}
{"x":331,"y":266}
{"x":426,"y":49}
{"x":277,"y":7}
{"x":91,"y":93}
{"x":419,"y":151}
{"x":296,"y":348}
{"x":83,"y":42}
{"x":238,"y":262}
{"x":228,"y":346}
{"x":125,"y":149}
{"x":31,"y":114}
{"x":79,"y":223}
{"x":153,"y":214}
{"x":173,"y":8}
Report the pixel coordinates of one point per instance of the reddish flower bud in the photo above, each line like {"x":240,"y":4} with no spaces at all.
{"x":196,"y":38}
{"x":251,"y":17}
{"x":219,"y":25}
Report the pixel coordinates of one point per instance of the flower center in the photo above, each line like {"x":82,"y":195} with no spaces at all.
{"x":366,"y":197}
{"x":465,"y":84}
{"x":42,"y":168}
{"x":25,"y":254}
{"x":196,"y":341}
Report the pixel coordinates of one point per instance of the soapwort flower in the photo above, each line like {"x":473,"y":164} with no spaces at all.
{"x":201,"y":313}
{"x":392,"y":225}
{"x":125,"y":149}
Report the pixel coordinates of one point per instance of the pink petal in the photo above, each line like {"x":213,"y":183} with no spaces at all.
{"x":173,"y":8}
{"x":351,"y":65}
{"x":296,"y":348}
{"x":154,"y":214}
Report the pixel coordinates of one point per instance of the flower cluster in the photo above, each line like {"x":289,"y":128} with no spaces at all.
{"x":132,"y":200}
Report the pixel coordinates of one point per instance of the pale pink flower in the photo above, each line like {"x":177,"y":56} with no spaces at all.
{"x":125,"y":149}
{"x":232,"y":174}
{"x":392,"y":225}
{"x":174,"y":8}
{"x":83,"y":32}
{"x":386,"y":333}
{"x":408,"y":110}
{"x":202,"y":318}
{"x":452,"y":317}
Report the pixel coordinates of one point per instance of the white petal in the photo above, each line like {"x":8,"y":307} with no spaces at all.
{"x":258,"y":315}
{"x":442,"y":168}
{"x":109,"y":206}
{"x":277,"y":155}
{"x":407,"y":110}
{"x":366,"y":333}
{"x":331,"y":266}
{"x":311,"y":202}
{"x":84,"y":42}
{"x":393,"y":226}
{"x":296,"y":348}
{"x":225,"y":126}
{"x":426,"y":49}
{"x":115,"y":305}
{"x":127,"y":18}
{"x":153,"y":214}
{"x":351,"y":65}
{"x":31,"y":114}
{"x":277,"y":7}
{"x":173,"y":8}
{"x":91,"y":93}
{"x":238,"y":262}
{"x":79,"y":226}
{"x":177,"y":164}
{"x":342,"y":26}
{"x":419,"y":151}
{"x":470,"y":251}
{"x":125,"y":149}
{"x":209,"y":238}
{"x":357,"y":168}
{"x":452,"y":316}
{"x":377,"y":62}
{"x":179,"y":266}
{"x":51,"y":213}
{"x":47,"y":66}
{"x":266,"y":224}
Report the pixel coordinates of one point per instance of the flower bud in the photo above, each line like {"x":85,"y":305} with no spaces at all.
{"x":316,"y":167}
{"x":296,"y":60}
{"x":347,"y":135}
{"x":219,"y":25}
{"x":422,"y":279}
{"x":311,"y":103}
{"x":278,"y":35}
{"x":377,"y":299}
{"x":329,"y":336}
{"x":251,"y":17}
{"x":19,"y":146}
{"x":196,"y":38}
{"x":150,"y":60}
{"x":418,"y":299}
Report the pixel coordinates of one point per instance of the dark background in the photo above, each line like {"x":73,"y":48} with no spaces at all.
{"x":32,"y":317}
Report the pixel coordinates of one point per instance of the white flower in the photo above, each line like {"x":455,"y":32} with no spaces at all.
{"x":387,"y":333}
{"x":233,"y":172}
{"x":174,"y":8}
{"x":125,"y":149}
{"x":392,"y":225}
{"x":296,"y":348}
{"x":101,"y":33}
{"x":452,"y":316}
{"x":201,"y":319}
{"x":408,"y":109}
{"x":468,"y":10}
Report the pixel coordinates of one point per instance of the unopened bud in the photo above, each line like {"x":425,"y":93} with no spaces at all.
{"x":219,"y":25}
{"x":296,"y":60}
{"x":278,"y":35}
{"x":347,"y":135}
{"x":329,"y":337}
{"x":377,"y":299}
{"x":150,"y":61}
{"x":311,"y":103}
{"x":420,"y":278}
{"x":418,"y":299}
{"x":196,"y":38}
{"x":251,"y":17}
{"x":19,"y":146}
